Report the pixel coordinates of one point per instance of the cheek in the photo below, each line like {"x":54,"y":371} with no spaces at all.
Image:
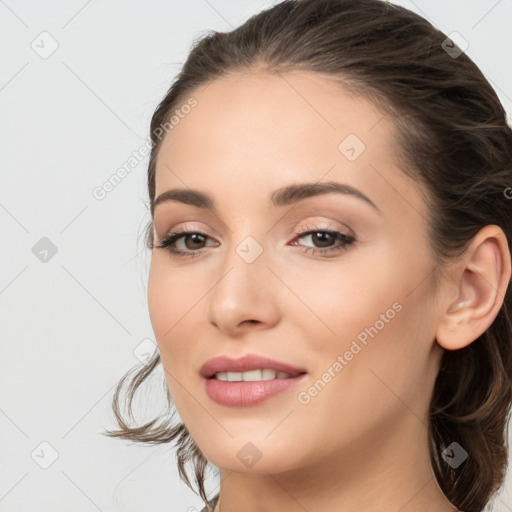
{"x":352,"y":396}
{"x":162,"y":299}
{"x":336,"y":300}
{"x":377,"y":362}
{"x":171,"y":300}
{"x":169,"y":304}
{"x":363,"y":311}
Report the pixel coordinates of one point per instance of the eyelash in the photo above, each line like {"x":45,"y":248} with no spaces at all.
{"x":169,"y":240}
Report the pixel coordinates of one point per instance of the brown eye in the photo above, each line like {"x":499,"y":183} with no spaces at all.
{"x":196,"y":239}
{"x":325,"y":240}
{"x":193,"y":243}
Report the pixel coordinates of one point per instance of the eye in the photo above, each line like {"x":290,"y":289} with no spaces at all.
{"x":328,"y":240}
{"x":192,"y":241}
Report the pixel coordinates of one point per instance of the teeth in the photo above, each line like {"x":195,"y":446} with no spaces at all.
{"x":252,"y":375}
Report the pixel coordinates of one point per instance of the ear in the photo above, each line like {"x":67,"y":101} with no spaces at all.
{"x":481,"y":278}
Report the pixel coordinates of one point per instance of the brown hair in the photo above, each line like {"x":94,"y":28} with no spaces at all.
{"x":453,"y":137}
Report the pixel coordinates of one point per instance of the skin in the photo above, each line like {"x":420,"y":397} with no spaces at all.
{"x":361,"y":442}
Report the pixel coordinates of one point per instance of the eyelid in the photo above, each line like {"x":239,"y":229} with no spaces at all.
{"x":326,"y":225}
{"x":187,"y":227}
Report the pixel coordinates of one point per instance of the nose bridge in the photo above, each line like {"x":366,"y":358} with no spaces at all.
{"x":243,"y":291}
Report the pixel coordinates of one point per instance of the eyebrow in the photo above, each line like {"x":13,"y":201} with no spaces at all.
{"x":284,"y":196}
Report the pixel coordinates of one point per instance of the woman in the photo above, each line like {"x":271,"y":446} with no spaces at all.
{"x":329,"y":283}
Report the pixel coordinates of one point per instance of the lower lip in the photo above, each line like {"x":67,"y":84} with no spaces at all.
{"x":243,"y":394}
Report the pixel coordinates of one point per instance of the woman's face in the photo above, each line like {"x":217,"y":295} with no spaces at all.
{"x":358,"y":315}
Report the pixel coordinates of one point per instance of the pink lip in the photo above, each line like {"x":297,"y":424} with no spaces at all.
{"x":245,"y":364}
{"x":243,"y":394}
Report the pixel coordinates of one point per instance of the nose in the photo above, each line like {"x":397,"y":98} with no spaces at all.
{"x":245,"y":297}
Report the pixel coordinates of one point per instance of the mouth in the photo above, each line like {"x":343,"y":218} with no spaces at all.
{"x":248,"y":380}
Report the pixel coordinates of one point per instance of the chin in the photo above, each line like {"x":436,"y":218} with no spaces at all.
{"x":251,"y":456}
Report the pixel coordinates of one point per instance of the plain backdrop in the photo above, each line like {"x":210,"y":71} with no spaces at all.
{"x":79,"y":81}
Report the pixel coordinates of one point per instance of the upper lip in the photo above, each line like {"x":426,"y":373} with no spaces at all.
{"x":244,"y":364}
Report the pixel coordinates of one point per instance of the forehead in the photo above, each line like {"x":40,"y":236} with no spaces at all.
{"x":249,"y":112}
{"x":258,"y":131}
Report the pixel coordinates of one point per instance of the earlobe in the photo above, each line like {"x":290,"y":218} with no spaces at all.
{"x":481,"y":276}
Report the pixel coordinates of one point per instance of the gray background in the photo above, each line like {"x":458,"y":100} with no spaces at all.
{"x":73,"y":324}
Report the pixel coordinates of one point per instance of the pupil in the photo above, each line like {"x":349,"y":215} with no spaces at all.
{"x":196,"y":238}
{"x":326,"y":238}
